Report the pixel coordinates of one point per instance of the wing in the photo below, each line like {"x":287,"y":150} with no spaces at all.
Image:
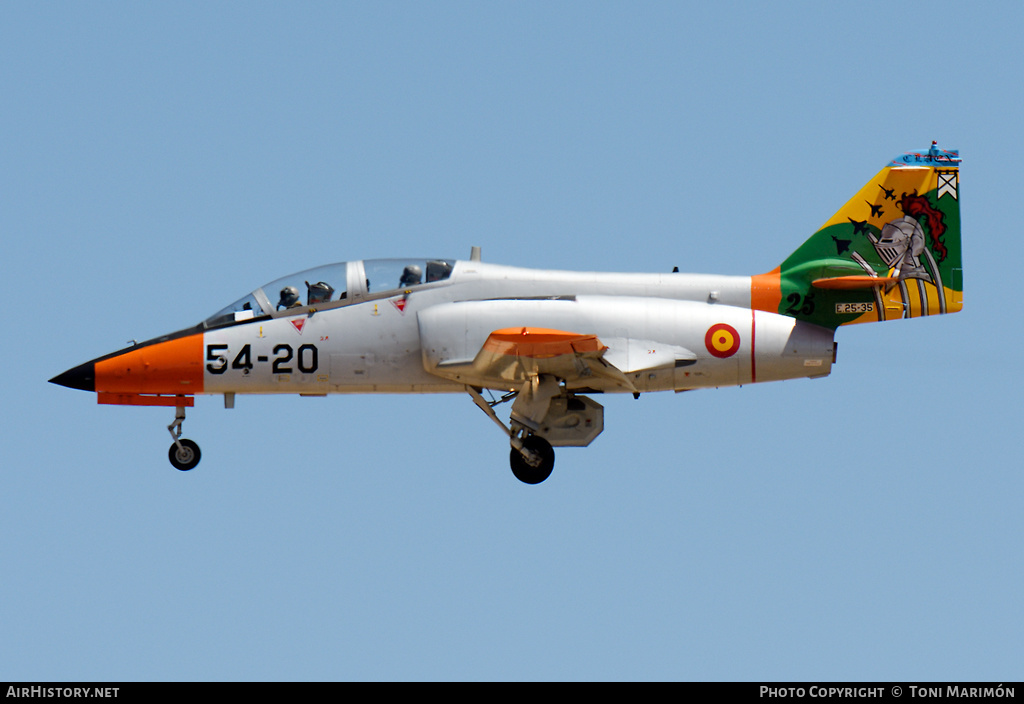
{"x":500,"y":344}
{"x":511,"y":356}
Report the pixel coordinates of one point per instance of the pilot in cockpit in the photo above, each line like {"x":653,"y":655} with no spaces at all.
{"x":438,"y":270}
{"x":289,"y":298}
{"x":320,"y":292}
{"x":411,"y":276}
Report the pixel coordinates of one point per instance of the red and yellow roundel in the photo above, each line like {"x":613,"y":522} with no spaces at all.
{"x":722,"y":340}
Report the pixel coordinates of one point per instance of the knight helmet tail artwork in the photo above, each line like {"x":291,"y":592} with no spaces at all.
{"x":893,"y":251}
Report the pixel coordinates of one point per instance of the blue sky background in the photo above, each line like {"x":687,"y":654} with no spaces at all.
{"x":162,"y":160}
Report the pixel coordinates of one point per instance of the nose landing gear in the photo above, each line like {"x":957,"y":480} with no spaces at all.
{"x":184,"y":454}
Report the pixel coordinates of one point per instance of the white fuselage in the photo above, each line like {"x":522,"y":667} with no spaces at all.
{"x":656,"y":326}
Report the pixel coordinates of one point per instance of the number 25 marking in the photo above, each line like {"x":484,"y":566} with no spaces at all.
{"x":795,"y":306}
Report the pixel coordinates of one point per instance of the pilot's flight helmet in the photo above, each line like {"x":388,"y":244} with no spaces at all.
{"x":320,"y":292}
{"x":289,"y":297}
{"x":438,"y":270}
{"x":411,"y":276}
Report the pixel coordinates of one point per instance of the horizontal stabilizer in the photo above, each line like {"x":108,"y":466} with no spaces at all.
{"x":850,"y":283}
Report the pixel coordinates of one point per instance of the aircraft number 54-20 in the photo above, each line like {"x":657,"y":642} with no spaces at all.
{"x":306,"y":359}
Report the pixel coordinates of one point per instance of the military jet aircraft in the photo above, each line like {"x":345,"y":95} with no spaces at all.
{"x":546,"y":340}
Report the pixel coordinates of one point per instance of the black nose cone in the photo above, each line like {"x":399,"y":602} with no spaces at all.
{"x":81,"y":377}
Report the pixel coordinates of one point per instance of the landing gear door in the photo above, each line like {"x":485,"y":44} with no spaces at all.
{"x":572,"y":421}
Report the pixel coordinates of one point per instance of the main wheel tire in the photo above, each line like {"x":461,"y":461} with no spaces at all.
{"x":186,"y":457}
{"x":523,"y":471}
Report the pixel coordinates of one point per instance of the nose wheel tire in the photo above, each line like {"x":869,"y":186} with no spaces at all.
{"x":185,"y":457}
{"x":527,"y":472}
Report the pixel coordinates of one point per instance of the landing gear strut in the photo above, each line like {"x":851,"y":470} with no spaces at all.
{"x":184,"y":454}
{"x":532,"y":458}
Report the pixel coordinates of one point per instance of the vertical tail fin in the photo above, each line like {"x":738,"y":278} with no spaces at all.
{"x":893,"y":251}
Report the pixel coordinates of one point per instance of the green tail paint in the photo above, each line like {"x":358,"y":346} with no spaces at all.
{"x":893,"y":251}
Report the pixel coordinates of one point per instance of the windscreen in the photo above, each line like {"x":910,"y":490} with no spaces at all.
{"x":323,"y":284}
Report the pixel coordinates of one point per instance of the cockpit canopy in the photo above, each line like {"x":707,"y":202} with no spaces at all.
{"x":334,"y":285}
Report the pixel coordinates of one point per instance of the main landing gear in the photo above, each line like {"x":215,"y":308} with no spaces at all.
{"x":184,"y":454}
{"x":544,"y":415}
{"x":532,"y":458}
{"x":533,"y":461}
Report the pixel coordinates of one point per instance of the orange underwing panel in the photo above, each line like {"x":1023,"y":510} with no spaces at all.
{"x":171,"y":367}
{"x":540,"y":343}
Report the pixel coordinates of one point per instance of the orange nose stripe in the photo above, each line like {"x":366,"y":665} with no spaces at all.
{"x":172,"y":367}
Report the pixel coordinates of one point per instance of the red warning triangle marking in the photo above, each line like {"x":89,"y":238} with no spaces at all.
{"x":298,"y":323}
{"x":400,"y":305}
